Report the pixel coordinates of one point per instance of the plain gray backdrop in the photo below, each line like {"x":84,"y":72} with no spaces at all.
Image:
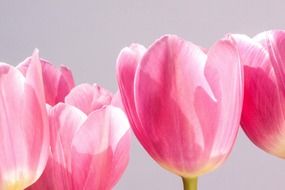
{"x":88,"y":35}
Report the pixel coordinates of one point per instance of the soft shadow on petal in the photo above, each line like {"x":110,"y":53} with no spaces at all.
{"x":101,"y":146}
{"x":88,"y":97}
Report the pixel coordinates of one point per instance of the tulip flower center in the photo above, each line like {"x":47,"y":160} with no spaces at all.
{"x":16,"y":185}
{"x":19,"y":183}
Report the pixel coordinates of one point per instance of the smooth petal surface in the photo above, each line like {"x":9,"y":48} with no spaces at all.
{"x":163,"y":101}
{"x":263,"y":107}
{"x":179,"y":97}
{"x":88,"y":97}
{"x":276,"y":44}
{"x":24,"y":135}
{"x":87,"y":152}
{"x":220,"y":118}
{"x":65,"y":121}
{"x":127,"y":63}
{"x":101,"y":149}
{"x":57,"y":82}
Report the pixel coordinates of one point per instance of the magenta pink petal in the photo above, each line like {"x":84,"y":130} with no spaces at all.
{"x":176,"y":93}
{"x":262,"y":115}
{"x":34,"y":118}
{"x":276,"y":45}
{"x":57,"y":82}
{"x":164,"y":102}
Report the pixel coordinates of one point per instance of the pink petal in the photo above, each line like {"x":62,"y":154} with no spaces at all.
{"x":57,"y":82}
{"x":65,"y":121}
{"x":220,"y":118}
{"x":35,"y":120}
{"x":164,"y":102}
{"x":101,"y":149}
{"x":276,"y":44}
{"x":127,"y":63}
{"x":181,"y":97}
{"x":252,"y":53}
{"x":88,"y":97}
{"x":12,"y":85}
{"x":262,"y":115}
{"x":66,"y":81}
{"x":24,"y":130}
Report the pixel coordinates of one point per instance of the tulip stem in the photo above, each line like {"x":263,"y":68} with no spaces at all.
{"x":190,"y":183}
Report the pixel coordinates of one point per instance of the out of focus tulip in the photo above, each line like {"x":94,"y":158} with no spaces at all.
{"x":184,"y":104}
{"x":57,"y":82}
{"x":24,"y":134}
{"x":90,"y":142}
{"x":263,"y":57}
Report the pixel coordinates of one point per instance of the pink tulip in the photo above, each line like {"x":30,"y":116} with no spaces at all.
{"x":24,"y":134}
{"x":184,"y":104}
{"x":263,"y":57}
{"x":90,"y":142}
{"x":57,"y":82}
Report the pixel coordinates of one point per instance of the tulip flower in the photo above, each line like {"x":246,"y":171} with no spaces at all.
{"x":183,"y":103}
{"x":263,"y":57}
{"x":90,"y":142}
{"x":24,"y":134}
{"x":57,"y":82}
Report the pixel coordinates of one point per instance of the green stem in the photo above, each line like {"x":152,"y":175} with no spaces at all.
{"x":190,"y":183}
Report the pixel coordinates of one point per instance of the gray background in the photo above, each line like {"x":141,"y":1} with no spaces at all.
{"x":88,"y":35}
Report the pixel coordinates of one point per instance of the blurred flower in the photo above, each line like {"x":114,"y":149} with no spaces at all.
{"x":183,"y":102}
{"x":90,"y":142}
{"x":24,"y":134}
{"x":263,"y":58}
{"x":57,"y":82}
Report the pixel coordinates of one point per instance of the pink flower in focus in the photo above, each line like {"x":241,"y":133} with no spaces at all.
{"x":184,"y":103}
{"x":24,"y":134}
{"x":263,"y":57}
{"x":90,"y":142}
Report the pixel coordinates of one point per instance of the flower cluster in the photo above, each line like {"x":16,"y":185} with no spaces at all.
{"x":55,"y":135}
{"x":184,"y":104}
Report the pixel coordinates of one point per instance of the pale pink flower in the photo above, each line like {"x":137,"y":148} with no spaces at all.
{"x":24,"y":134}
{"x":263,"y":57}
{"x":90,"y":142}
{"x":183,"y":102}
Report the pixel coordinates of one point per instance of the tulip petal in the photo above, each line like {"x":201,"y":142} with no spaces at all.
{"x":88,"y":97}
{"x":127,"y":63}
{"x":276,"y":44}
{"x":100,"y":146}
{"x":66,"y":82}
{"x":11,"y":98}
{"x":252,"y":53}
{"x":161,"y":92}
{"x":261,"y":93}
{"x":57,"y":82}
{"x":224,"y":73}
{"x":34,"y":116}
{"x":65,"y":120}
{"x":24,"y":126}
{"x":262,"y":115}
